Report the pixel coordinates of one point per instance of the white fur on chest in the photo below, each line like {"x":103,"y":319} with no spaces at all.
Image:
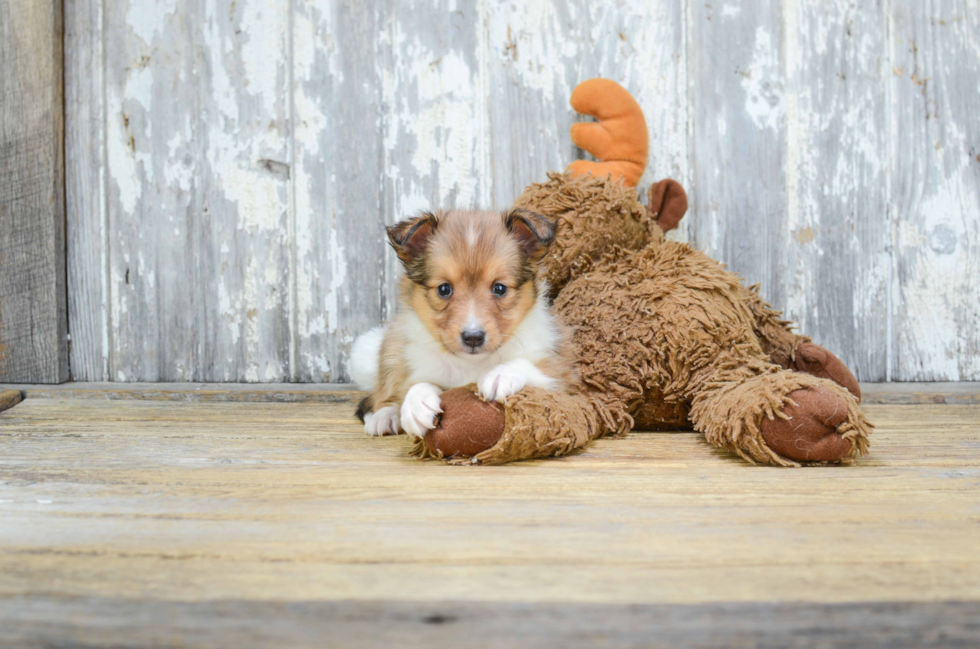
{"x":536,"y":338}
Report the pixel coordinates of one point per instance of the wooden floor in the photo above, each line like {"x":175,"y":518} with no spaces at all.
{"x":217,"y":522}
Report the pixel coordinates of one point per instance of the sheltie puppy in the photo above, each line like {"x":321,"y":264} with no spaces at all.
{"x":472,"y":310}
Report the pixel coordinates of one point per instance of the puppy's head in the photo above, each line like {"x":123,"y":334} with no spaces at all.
{"x":470,"y":276}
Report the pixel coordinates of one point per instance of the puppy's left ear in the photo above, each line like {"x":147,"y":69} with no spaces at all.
{"x":411,"y":237}
{"x":533,"y":231}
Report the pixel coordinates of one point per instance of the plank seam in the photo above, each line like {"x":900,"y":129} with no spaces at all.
{"x":890,"y":209}
{"x":875,"y":393}
{"x":106,"y":253}
{"x":291,"y":219}
{"x":63,"y":180}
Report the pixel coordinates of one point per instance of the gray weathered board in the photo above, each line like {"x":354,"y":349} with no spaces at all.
{"x":231,"y":164}
{"x":33,"y":304}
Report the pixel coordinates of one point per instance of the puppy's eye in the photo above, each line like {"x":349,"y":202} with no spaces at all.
{"x":444,"y":290}
{"x":499,"y":289}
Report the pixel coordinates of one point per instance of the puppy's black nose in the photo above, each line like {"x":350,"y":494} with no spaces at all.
{"x":474,"y":338}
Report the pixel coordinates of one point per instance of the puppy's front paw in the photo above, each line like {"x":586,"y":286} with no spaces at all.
{"x":420,"y":408}
{"x":501,"y":382}
{"x":382,"y":422}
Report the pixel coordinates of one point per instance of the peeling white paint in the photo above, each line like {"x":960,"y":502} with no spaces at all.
{"x":435,"y":109}
{"x":147,"y":19}
{"x":529,"y":36}
{"x":469,"y":103}
{"x":129,"y":158}
{"x":266,"y":26}
{"x":763,"y":84}
{"x":942,"y":272}
{"x":798,"y":300}
{"x":338,"y":279}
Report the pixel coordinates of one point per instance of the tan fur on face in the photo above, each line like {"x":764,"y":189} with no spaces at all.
{"x":472,"y":251}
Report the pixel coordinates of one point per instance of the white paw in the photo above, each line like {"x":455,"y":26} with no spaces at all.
{"x":501,"y":382}
{"x":420,"y":409}
{"x":382,"y":422}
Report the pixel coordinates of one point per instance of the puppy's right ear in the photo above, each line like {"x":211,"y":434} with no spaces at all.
{"x":410,"y":238}
{"x":534,"y":232}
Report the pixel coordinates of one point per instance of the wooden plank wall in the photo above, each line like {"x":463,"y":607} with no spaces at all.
{"x":33,"y":302}
{"x":231,"y":165}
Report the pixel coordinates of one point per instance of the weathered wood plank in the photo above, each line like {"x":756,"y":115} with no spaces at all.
{"x":920,"y":393}
{"x":872,"y":393}
{"x":935,"y":131}
{"x":737,"y":69}
{"x":338,"y":288}
{"x":85,"y":192}
{"x":103,"y":621}
{"x":33,"y":301}
{"x":241,"y":392}
{"x":291,"y":502}
{"x":832,"y":239}
{"x":197,"y":125}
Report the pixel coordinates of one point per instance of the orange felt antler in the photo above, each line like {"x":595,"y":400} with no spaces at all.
{"x":618,"y":140}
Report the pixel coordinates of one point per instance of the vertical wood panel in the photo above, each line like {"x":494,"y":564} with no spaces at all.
{"x":33,"y":302}
{"x":738,"y":154}
{"x":832,"y":238}
{"x":339,"y":224}
{"x":88,"y":295}
{"x":936,"y":189}
{"x":196,"y":133}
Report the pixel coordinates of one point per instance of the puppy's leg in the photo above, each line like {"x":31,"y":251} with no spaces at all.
{"x":380,"y":412}
{"x":383,"y":421}
{"x":420,"y":408}
{"x":511,"y":377}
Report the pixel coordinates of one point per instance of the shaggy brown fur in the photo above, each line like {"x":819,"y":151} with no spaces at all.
{"x":664,"y":336}
{"x":614,"y":219}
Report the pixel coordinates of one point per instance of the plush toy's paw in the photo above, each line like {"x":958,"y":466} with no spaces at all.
{"x":501,"y":382}
{"x":811,"y":431}
{"x":468,"y":426}
{"x":382,"y":422}
{"x":420,"y":409}
{"x":819,"y":362}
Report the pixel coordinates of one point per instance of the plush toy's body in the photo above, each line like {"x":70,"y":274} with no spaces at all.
{"x":665,"y":337}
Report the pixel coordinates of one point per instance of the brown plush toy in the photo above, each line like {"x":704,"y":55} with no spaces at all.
{"x":664,"y":336}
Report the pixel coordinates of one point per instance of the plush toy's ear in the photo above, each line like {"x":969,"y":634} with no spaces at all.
{"x":533,"y":231}
{"x":410,"y":238}
{"x":667,"y":203}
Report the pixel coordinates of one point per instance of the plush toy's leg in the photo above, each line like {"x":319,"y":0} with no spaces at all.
{"x":815,"y":360}
{"x":542,"y":423}
{"x":775,"y":416}
{"x":774,"y":334}
{"x":537,"y":423}
{"x":792,"y":351}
